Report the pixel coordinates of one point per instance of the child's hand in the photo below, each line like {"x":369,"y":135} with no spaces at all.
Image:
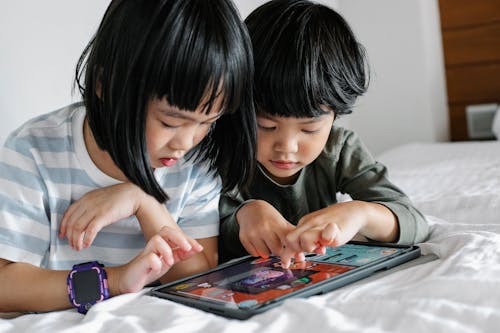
{"x":161,"y":252}
{"x":96,"y":209}
{"x":262,"y":228}
{"x":331,"y":226}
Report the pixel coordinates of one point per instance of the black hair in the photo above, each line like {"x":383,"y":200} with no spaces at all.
{"x":183,"y":51}
{"x":305,"y":56}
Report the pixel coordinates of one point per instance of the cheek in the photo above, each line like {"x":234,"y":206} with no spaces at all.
{"x":153,"y":143}
{"x":149,"y":139}
{"x":314,"y":147}
{"x":262,"y":150}
{"x":200,"y":135}
{"x":157,"y":138}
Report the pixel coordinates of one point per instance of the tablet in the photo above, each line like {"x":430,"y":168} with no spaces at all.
{"x":247,"y":286}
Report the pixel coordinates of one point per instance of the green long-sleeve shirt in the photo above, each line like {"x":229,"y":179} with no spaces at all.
{"x":344,"y":166}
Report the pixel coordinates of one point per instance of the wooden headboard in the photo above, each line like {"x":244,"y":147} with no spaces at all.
{"x":471,"y":44}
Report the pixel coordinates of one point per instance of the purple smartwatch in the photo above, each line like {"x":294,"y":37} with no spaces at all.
{"x":87,"y":285}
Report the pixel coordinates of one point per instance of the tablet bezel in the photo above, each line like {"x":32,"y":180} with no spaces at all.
{"x":226,"y":310}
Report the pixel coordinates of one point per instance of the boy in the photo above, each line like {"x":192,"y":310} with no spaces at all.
{"x":309,"y":69}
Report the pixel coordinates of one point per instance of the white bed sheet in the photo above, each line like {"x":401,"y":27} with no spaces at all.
{"x":455,"y":287}
{"x":458,"y":182}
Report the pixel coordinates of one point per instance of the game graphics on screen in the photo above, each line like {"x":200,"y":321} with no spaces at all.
{"x":255,"y":282}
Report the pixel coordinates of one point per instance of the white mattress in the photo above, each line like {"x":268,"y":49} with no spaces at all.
{"x":459,"y":182}
{"x":455,"y":287}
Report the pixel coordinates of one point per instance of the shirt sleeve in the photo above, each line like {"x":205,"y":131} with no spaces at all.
{"x":230,"y":246}
{"x":24,"y":208}
{"x":365,"y":179}
{"x":200,"y":215}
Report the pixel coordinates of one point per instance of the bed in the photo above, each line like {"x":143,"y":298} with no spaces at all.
{"x":454,"y":287}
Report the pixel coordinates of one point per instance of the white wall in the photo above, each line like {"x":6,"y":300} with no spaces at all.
{"x":406,"y":100}
{"x":40,"y":44}
{"x":41,"y":41}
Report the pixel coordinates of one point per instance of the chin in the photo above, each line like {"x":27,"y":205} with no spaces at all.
{"x":282,"y":174}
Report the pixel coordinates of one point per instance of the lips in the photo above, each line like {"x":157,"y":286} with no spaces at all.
{"x":286,"y":165}
{"x":168,"y":162}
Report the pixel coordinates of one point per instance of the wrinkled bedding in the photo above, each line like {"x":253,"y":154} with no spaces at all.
{"x":454,"y":287}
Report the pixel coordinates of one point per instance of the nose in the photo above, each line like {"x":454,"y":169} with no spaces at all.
{"x":184,"y":139}
{"x":286,"y":143}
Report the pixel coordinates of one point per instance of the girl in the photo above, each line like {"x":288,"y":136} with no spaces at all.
{"x":167,"y":107}
{"x":309,"y":69}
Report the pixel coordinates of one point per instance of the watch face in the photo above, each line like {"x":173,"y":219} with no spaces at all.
{"x":86,"y":286}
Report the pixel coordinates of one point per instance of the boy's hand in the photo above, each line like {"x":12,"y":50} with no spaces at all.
{"x":331,"y":226}
{"x":161,"y":252}
{"x":262,"y":228}
{"x":96,"y":209}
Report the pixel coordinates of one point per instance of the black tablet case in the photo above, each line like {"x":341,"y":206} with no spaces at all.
{"x":409,"y":253}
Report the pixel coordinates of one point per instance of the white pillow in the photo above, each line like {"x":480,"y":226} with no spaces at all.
{"x":496,"y":124}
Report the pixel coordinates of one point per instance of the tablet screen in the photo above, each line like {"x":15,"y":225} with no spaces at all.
{"x":256,"y":281}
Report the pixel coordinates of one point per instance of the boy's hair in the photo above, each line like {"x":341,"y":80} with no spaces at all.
{"x":305,"y":56}
{"x":184,"y":51}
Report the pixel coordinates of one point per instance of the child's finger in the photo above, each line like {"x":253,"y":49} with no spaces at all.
{"x":91,"y":231}
{"x":307,"y":240}
{"x":300,"y":257}
{"x":78,"y":229}
{"x":329,"y":234}
{"x":159,"y":246}
{"x":273,"y":242}
{"x":249,"y":247}
{"x":286,"y":256}
{"x":195,"y":246}
{"x":152,"y":263}
{"x":176,"y":238}
{"x":78,"y":240}
{"x":76,"y":225}
{"x":64,"y":223}
{"x":68,"y":215}
{"x":292,"y":241}
{"x":180,"y":255}
{"x":320,"y":249}
{"x":262,"y":249}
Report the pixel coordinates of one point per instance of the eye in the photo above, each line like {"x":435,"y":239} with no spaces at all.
{"x":167,"y":125}
{"x":266,"y":128}
{"x":310,"y":131}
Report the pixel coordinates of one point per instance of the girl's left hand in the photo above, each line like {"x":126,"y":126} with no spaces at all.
{"x":164,"y":250}
{"x":96,"y":209}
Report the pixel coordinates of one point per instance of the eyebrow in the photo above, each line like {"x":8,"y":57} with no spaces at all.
{"x":180,"y":115}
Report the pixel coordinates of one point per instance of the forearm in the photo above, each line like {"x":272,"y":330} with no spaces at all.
{"x":27,"y":288}
{"x":152,"y":216}
{"x":380,"y":223}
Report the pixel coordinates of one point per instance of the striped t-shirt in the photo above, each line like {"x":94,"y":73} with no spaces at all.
{"x":44,"y":167}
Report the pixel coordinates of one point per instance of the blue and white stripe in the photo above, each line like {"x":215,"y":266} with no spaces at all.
{"x":44,"y":167}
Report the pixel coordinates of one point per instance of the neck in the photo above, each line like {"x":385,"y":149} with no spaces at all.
{"x":101,"y":158}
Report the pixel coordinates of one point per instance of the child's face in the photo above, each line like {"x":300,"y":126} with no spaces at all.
{"x":171,"y":132}
{"x":286,"y":144}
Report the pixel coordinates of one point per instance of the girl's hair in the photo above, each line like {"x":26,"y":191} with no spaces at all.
{"x":305,"y":56}
{"x":184,"y":51}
